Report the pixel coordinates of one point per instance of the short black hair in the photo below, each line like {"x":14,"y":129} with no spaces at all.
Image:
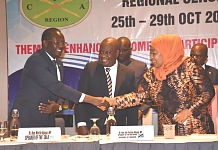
{"x":47,"y":33}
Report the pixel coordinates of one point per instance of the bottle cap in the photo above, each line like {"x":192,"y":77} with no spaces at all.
{"x":15,"y":113}
{"x":111,"y":111}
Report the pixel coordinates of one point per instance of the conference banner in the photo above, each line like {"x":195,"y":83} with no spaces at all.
{"x":85,"y":23}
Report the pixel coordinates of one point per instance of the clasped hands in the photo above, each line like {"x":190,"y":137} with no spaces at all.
{"x":106,"y":102}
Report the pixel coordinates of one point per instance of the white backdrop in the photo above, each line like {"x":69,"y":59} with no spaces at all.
{"x":193,"y":20}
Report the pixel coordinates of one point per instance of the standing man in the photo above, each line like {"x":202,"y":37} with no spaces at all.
{"x":138,"y":67}
{"x":93,"y":81}
{"x":41,"y":84}
{"x":199,"y":56}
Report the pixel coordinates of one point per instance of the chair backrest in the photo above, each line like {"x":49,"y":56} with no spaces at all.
{"x":59,"y":122}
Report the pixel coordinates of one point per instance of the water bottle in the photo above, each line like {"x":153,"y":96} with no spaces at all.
{"x":111,"y":121}
{"x":15,"y":125}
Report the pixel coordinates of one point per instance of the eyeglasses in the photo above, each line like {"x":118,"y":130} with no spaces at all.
{"x":57,"y":42}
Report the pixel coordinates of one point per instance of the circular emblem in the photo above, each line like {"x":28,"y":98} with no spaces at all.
{"x":55,"y":13}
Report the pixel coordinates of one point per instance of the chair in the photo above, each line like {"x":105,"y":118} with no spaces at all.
{"x":59,"y":122}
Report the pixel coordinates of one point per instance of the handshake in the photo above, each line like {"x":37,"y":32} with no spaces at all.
{"x":104,"y":103}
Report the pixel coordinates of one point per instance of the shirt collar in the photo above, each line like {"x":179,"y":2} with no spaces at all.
{"x":50,"y":56}
{"x":203,"y":66}
{"x":114,"y":66}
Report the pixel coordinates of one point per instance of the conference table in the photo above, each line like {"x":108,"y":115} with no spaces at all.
{"x":192,"y":142}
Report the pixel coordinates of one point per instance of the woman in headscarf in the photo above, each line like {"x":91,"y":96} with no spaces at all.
{"x":181,"y":89}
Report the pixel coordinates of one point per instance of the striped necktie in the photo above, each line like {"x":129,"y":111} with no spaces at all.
{"x":109,"y":82}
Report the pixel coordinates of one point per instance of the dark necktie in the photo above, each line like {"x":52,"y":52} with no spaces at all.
{"x":109,"y":82}
{"x":56,"y":67}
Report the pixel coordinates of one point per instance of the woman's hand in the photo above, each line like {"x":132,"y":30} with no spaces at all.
{"x":111,"y":101}
{"x":182,"y":116}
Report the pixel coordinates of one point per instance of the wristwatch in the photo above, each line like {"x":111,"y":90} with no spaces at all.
{"x":60,"y":108}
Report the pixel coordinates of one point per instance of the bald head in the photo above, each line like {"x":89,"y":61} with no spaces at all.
{"x":109,"y":51}
{"x":199,"y":54}
{"x":125,"y":49}
{"x":124,"y":41}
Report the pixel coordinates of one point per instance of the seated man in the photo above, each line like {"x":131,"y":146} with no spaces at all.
{"x":199,"y":57}
{"x":93,"y":81}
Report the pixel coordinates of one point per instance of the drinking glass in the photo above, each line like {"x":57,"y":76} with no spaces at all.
{"x":94,"y":131}
{"x":3,"y":129}
{"x":169,"y":131}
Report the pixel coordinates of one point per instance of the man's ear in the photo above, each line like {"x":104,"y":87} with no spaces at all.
{"x":118,"y":53}
{"x":130,"y":51}
{"x":45,"y":43}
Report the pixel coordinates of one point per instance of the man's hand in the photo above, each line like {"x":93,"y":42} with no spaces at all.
{"x":182,"y":116}
{"x":83,"y":130}
{"x":101,"y":103}
{"x":48,"y":109}
{"x":111,"y":101}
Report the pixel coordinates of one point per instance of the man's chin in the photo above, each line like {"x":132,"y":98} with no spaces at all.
{"x":105,"y":64}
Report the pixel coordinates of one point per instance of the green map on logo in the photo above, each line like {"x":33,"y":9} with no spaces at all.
{"x":55,"y":13}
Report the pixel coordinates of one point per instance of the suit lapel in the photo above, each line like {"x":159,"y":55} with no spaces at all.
{"x":102,"y":78}
{"x":51,"y":65}
{"x":207,"y":69}
{"x":119,"y":80}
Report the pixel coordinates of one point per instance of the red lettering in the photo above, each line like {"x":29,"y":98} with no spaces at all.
{"x":18,"y":48}
{"x":29,"y":49}
{"x":79,"y":48}
{"x":141,"y":46}
{"x":85,"y":48}
{"x":213,"y":42}
{"x":134,"y":46}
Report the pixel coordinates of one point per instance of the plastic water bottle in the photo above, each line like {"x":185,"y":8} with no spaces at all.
{"x":111,"y":121}
{"x":15,"y":125}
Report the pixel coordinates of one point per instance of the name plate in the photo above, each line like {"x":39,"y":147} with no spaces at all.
{"x":39,"y":134}
{"x":130,"y":133}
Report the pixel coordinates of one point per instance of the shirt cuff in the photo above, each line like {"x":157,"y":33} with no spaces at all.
{"x":81,"y":124}
{"x":82,"y":98}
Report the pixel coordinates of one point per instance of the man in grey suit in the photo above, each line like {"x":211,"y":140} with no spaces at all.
{"x":41,"y":84}
{"x":138,"y":67}
{"x":93,"y":81}
{"x":199,"y":56}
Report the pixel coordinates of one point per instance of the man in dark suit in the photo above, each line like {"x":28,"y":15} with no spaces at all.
{"x":124,"y":57}
{"x":199,"y":56}
{"x":41,"y":84}
{"x":138,"y":67}
{"x":93,"y":81}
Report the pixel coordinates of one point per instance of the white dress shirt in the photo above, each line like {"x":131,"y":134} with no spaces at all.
{"x":59,"y":77}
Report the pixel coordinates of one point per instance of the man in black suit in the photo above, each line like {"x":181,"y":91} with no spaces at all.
{"x":93,"y":81}
{"x":199,"y":57}
{"x":138,"y":67}
{"x":41,"y":84}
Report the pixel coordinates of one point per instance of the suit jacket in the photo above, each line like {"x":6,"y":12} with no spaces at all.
{"x":38,"y":85}
{"x":93,"y":82}
{"x":139,"y":69}
{"x":212,"y":73}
